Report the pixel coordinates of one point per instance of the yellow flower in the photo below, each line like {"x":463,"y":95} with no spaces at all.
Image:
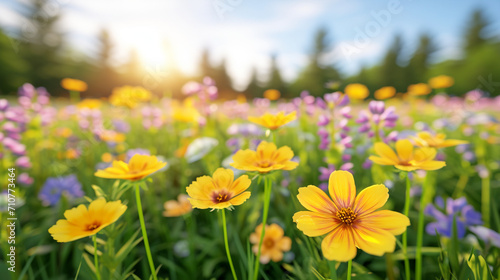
{"x":112,"y":136}
{"x":219,"y":191}
{"x":273,"y":244}
{"x":274,"y":121}
{"x":138,"y":167}
{"x":441,"y":81}
{"x":357,"y":91}
{"x":64,"y":132}
{"x":74,"y":85}
{"x":419,"y":89}
{"x":107,"y":157}
{"x":272,"y":94}
{"x":186,"y":114}
{"x":179,"y":207}
{"x":425,"y":139}
{"x":82,"y":222}
{"x":89,"y":103}
{"x":406,"y":159}
{"x":241,"y":98}
{"x":384,"y":93}
{"x":349,"y":221}
{"x":129,"y":96}
{"x":267,"y":158}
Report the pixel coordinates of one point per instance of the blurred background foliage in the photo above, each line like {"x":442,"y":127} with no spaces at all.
{"x":39,"y":54}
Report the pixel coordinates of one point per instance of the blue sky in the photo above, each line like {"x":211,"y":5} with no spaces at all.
{"x":247,"y":32}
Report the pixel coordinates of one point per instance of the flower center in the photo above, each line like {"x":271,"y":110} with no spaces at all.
{"x":93,"y":226}
{"x":264,"y":163}
{"x":221,"y":196}
{"x":346,"y":215}
{"x":268,"y":243}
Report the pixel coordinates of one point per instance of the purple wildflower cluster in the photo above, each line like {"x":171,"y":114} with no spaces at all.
{"x":445,"y":213}
{"x":326,"y":171}
{"x":334,"y":106}
{"x":56,"y":187}
{"x":205,"y":91}
{"x":378,"y":118}
{"x":152,"y":117}
{"x":243,"y":135}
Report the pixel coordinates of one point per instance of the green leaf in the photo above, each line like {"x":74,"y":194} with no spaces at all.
{"x":479,"y":267}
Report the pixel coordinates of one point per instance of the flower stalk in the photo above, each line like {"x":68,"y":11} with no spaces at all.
{"x":226,"y":243}
{"x":143,"y":228}
{"x":96,"y":262}
{"x":267,"y":200}
{"x":405,"y":234}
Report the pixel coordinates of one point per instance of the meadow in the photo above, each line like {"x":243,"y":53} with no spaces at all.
{"x":118,"y":188}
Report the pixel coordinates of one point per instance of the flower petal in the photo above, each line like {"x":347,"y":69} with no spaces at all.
{"x":314,"y":199}
{"x":265,"y":150}
{"x":315,"y":224}
{"x":431,"y":165}
{"x":393,"y":222}
{"x":342,"y":188}
{"x":405,"y":150}
{"x":223,"y":178}
{"x":339,"y":245}
{"x":381,"y":161}
{"x":240,"y":185}
{"x":371,"y":199}
{"x":384,"y":151}
{"x":238,"y":200}
{"x":374,"y":241}
{"x":424,"y":154}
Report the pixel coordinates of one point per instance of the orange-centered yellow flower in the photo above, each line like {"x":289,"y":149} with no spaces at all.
{"x":273,"y":245}
{"x":267,"y":158}
{"x":82,"y":222}
{"x":385,"y":92}
{"x":74,"y":85}
{"x":179,"y":207}
{"x":219,"y":191}
{"x":406,"y":158}
{"x":357,"y":91}
{"x":349,"y":221}
{"x":274,"y":121}
{"x":425,"y":139}
{"x":441,"y":81}
{"x":138,"y":167}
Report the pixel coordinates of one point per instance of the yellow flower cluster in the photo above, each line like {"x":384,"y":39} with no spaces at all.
{"x":129,"y":96}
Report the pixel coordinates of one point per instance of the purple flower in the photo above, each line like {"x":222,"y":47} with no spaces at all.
{"x":25,"y":179}
{"x":55,"y":188}
{"x":23,"y":162}
{"x":458,"y":210}
{"x":4,"y":104}
{"x":121,"y":126}
{"x":326,"y":171}
{"x":489,"y":236}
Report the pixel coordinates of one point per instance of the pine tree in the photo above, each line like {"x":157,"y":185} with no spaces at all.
{"x":254,"y":89}
{"x":391,"y":73}
{"x":275,"y":80}
{"x":474,"y":36}
{"x":105,"y":77}
{"x":12,"y":67}
{"x":317,"y":73}
{"x":419,"y":62}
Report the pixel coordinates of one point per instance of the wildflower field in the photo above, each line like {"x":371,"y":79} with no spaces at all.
{"x":341,"y":186}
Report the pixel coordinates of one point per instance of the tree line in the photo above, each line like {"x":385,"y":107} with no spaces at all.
{"x":39,"y":54}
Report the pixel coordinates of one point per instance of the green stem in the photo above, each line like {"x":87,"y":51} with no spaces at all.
{"x":389,"y":263}
{"x":96,"y":263}
{"x":273,"y":132}
{"x":405,"y":234}
{"x":349,"y":270}
{"x":485,"y":200}
{"x":227,"y":245}
{"x":333,"y":270}
{"x":143,"y":228}
{"x":420,"y":230}
{"x":267,"y":199}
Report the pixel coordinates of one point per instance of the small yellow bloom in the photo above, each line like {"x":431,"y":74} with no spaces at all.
{"x":74,"y":85}
{"x":129,"y":96}
{"x":241,"y":98}
{"x":219,"y":191}
{"x":441,"y":81}
{"x":139,"y":167}
{"x":82,"y":222}
{"x":179,"y":207}
{"x":357,"y":91}
{"x":64,"y":132}
{"x":406,"y":159}
{"x":274,"y":121}
{"x":272,"y":94}
{"x":349,"y":221}
{"x":425,"y":139}
{"x":112,"y":136}
{"x":419,"y":89}
{"x":273,"y":245}
{"x":72,"y":154}
{"x":385,"y":93}
{"x":107,"y":157}
{"x":267,"y":158}
{"x":89,"y":103}
{"x":186,"y":114}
